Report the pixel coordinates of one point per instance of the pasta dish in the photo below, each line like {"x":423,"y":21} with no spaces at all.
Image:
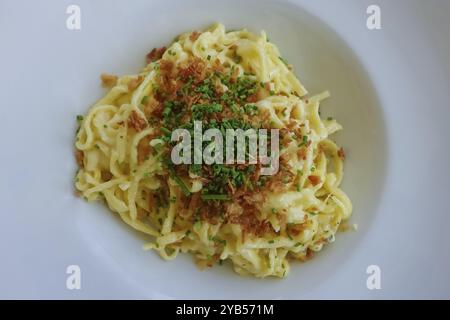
{"x":231,"y":211}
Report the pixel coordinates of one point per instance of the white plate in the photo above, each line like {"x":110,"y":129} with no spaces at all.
{"x":390,"y":90}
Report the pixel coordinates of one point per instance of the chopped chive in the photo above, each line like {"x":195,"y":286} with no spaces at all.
{"x":222,"y":197}
{"x":297,"y":244}
{"x":80,"y":117}
{"x":271,"y":241}
{"x":234,"y":108}
{"x":166,"y":131}
{"x":218,"y":240}
{"x":144,"y":100}
{"x":304,"y":141}
{"x":180,"y":182}
{"x":284,"y":61}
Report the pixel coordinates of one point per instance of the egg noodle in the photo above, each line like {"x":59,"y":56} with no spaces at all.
{"x":234,"y":79}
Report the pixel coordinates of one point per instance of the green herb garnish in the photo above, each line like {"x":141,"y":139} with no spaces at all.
{"x":284,"y":61}
{"x":221,"y":197}
{"x":179,"y":181}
